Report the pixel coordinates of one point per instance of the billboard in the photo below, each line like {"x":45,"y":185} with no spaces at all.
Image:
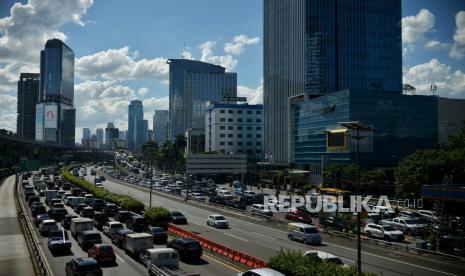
{"x":336,"y":140}
{"x":50,"y":116}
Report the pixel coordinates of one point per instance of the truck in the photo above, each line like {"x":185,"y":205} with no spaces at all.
{"x":406,"y":225}
{"x":137,"y":243}
{"x":162,"y":262}
{"x":49,"y":195}
{"x":75,"y":201}
{"x":79,"y":225}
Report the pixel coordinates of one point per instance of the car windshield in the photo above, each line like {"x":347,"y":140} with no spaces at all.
{"x":311,"y":230}
{"x":413,"y":221}
{"x":219,"y":218}
{"x":93,"y":236}
{"x":389,"y":228}
{"x":157,"y":230}
{"x":178,"y":214}
{"x":116,"y":225}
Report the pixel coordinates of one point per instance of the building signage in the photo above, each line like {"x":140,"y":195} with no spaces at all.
{"x":328,"y":109}
{"x":233,"y":99}
{"x":50,"y":116}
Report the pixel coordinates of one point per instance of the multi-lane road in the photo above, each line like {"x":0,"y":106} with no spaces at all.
{"x":208,"y":265}
{"x":263,"y":240}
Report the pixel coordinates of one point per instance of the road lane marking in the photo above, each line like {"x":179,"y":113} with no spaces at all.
{"x":120,"y":258}
{"x":221,"y":262}
{"x":236,"y":237}
{"x":270,"y":237}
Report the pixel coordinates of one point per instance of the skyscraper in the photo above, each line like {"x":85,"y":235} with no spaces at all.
{"x":85,"y":133}
{"x":28,"y":95}
{"x":111,"y":133}
{"x":55,"y":113}
{"x":324,"y":46}
{"x":160,"y":126}
{"x":192,"y":84}
{"x":135,"y":114}
{"x":99,"y":135}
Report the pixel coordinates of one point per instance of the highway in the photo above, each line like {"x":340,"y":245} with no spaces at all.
{"x":263,"y":240}
{"x":14,"y":255}
{"x":208,"y":265}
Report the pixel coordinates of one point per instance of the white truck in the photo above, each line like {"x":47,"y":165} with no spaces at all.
{"x":137,"y":243}
{"x":162,"y":262}
{"x":49,"y":195}
{"x":79,"y":225}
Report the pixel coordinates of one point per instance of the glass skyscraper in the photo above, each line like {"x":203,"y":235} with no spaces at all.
{"x":135,"y":128}
{"x":160,"y":126}
{"x":56,"y":94}
{"x":324,"y":46}
{"x":28,"y":94}
{"x":192,"y":84}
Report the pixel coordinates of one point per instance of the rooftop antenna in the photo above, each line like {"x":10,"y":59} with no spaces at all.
{"x":433,"y":88}
{"x":183,"y":50}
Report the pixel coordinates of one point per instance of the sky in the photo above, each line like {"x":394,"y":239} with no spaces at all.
{"x":121,"y":48}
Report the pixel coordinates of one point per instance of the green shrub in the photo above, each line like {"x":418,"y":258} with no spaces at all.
{"x":158,"y":216}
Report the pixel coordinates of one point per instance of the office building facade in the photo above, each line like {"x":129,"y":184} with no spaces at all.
{"x":192,"y":84}
{"x":99,"y":135}
{"x":111,"y":133}
{"x":324,"y":46}
{"x":28,"y":95}
{"x":195,"y":141}
{"x":135,"y":114}
{"x":160,"y":126}
{"x":56,"y":97}
{"x":235,"y":129}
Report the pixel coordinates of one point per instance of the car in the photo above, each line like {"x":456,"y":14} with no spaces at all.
{"x":386,"y":232}
{"x":57,"y":213}
{"x":298,"y":215}
{"x":413,"y":215}
{"x":98,"y":204}
{"x":33,"y":199}
{"x":38,"y":219}
{"x":188,"y":249}
{"x":136,"y":223}
{"x":102,"y":252}
{"x":58,"y":205}
{"x":99,"y":220}
{"x":305,"y":233}
{"x":122,"y":215}
{"x":102,"y":178}
{"x":46,"y":226}
{"x":321,"y":256}
{"x":55,"y":201}
{"x":83,"y":266}
{"x":111,"y":227}
{"x":87,"y":212}
{"x":332,"y":223}
{"x":261,"y":272}
{"x":178,"y":218}
{"x":110,"y":209}
{"x":78,"y":207}
{"x":261,"y":210}
{"x":58,"y":241}
{"x":217,"y":221}
{"x":118,"y":237}
{"x":197,"y":196}
{"x":160,"y":236}
{"x":38,"y":209}
{"x":66,"y":221}
{"x":88,"y":198}
{"x":88,"y":238}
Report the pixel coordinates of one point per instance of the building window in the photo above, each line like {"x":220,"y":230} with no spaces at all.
{"x":239,"y":128}
{"x":240,"y":151}
{"x":258,"y":151}
{"x":239,"y":120}
{"x":249,"y":120}
{"x":258,"y":112}
{"x":249,"y":128}
{"x":230,"y":135}
{"x":230,"y":120}
{"x":258,"y":143}
{"x":239,"y":112}
{"x":249,"y":151}
{"x":230,"y":143}
{"x":222,"y":151}
{"x":222,"y":120}
{"x":230,"y":111}
{"x":222,"y":111}
{"x":249,"y":135}
{"x":221,"y":143}
{"x":239,"y":143}
{"x":239,"y":135}
{"x":258,"y":136}
{"x":258,"y":120}
{"x":222,"y":135}
{"x":249,"y":111}
{"x":258,"y":128}
{"x":230,"y":128}
{"x":222,"y":127}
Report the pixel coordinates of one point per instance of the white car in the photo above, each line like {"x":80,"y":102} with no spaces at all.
{"x":111,"y":227}
{"x":386,"y":232}
{"x":261,"y":272}
{"x":324,"y":257}
{"x":428,"y":214}
{"x":47,"y":225}
{"x":217,"y":221}
{"x":197,"y":196}
{"x":167,"y":189}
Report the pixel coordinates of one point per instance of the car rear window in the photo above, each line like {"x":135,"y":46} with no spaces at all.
{"x":105,"y":248}
{"x":93,"y":236}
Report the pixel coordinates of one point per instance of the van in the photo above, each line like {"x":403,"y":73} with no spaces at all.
{"x":305,"y":233}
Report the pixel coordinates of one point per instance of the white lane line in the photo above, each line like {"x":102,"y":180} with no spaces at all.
{"x":236,"y":237}
{"x":263,"y":235}
{"x":121,"y":259}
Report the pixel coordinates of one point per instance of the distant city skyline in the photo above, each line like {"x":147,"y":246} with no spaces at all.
{"x":128,"y":65}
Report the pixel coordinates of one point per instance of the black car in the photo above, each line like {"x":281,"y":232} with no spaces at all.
{"x":217,"y":200}
{"x":98,"y":204}
{"x":102,"y":178}
{"x":110,"y":209}
{"x":332,"y":223}
{"x":235,"y":204}
{"x":188,"y":249}
{"x":122,"y":215}
{"x":87,"y":212}
{"x":33,"y":199}
{"x":66,"y":221}
{"x":118,"y":237}
{"x":39,"y":218}
{"x":38,"y":209}
{"x":83,"y":266}
{"x":136,"y":223}
{"x":78,"y":207}
{"x":178,"y":218}
{"x":58,"y":241}
{"x":160,"y":236}
{"x":75,"y":191}
{"x":99,"y":220}
{"x":88,"y":238}
{"x":57,"y":213}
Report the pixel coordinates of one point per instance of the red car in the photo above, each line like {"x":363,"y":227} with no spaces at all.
{"x":299,"y":216}
{"x":102,"y":253}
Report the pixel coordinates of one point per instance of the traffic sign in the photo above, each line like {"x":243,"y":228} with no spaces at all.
{"x":30,"y":165}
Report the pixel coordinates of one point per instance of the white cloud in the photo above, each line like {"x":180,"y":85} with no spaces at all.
{"x":414,"y":27}
{"x":449,"y":83}
{"x":254,"y":96}
{"x":435,"y":44}
{"x":8,"y":122}
{"x":121,"y":64}
{"x":227,"y":61}
{"x":458,"y":49}
{"x":237,"y":45}
{"x":142,"y":91}
{"x":8,"y":104}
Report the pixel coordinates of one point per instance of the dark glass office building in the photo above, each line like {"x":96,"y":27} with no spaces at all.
{"x":28,"y":95}
{"x":192,"y":84}
{"x":56,"y":98}
{"x":324,"y":46}
{"x":402,"y":123}
{"x":135,"y":114}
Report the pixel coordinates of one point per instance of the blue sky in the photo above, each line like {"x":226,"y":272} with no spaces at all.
{"x":120,"y":47}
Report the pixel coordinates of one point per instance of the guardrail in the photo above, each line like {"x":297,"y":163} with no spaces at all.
{"x":43,"y":268}
{"x":218,"y":248}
